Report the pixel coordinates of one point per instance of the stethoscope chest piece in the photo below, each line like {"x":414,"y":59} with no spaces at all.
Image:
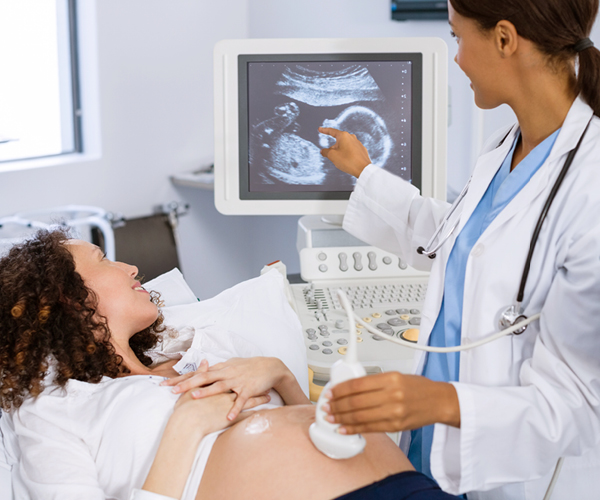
{"x":512,"y":316}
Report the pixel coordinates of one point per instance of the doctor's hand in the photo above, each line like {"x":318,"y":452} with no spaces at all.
{"x":390,"y":402}
{"x":348,"y":154}
{"x":249,"y":378}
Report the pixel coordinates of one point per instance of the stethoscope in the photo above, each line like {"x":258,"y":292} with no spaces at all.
{"x":513,"y":315}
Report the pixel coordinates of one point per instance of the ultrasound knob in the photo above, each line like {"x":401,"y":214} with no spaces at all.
{"x":357,"y":261}
{"x":343,"y":262}
{"x":372,"y":256}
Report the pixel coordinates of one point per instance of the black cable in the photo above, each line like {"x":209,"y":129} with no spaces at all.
{"x":542,"y":218}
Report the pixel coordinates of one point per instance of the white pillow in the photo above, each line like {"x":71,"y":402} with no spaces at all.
{"x":172,"y":287}
{"x":256,"y":310}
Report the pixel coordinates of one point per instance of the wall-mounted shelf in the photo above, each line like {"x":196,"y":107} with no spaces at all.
{"x":201,"y":179}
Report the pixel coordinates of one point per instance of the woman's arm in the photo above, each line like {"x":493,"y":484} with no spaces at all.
{"x":289,"y":389}
{"x":247,"y":377}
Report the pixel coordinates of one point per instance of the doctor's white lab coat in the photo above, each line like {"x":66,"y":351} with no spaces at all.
{"x":525,"y":400}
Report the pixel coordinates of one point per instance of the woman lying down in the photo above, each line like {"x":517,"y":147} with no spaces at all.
{"x":88,"y":415}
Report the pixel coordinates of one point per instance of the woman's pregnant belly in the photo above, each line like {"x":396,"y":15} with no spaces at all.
{"x":269,"y":455}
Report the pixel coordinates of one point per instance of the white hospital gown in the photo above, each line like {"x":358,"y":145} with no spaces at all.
{"x":98,"y":441}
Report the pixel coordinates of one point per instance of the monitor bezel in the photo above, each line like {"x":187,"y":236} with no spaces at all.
{"x":416,"y":58}
{"x":226,"y":117}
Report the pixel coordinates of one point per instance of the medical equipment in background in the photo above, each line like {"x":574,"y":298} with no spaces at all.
{"x":12,"y":231}
{"x":383,"y":289}
{"x":270,"y":97}
{"x":385,"y":292}
{"x":81,"y":218}
{"x":150,"y":241}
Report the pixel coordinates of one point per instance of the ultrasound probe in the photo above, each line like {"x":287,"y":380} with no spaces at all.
{"x":325,"y":435}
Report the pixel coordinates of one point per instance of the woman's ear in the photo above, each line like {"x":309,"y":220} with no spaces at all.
{"x":506,"y":38}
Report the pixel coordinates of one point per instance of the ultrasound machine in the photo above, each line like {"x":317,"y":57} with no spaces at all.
{"x":270,"y":98}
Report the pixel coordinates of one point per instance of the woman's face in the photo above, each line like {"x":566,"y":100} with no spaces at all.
{"x":121,"y":299}
{"x":478,"y":57}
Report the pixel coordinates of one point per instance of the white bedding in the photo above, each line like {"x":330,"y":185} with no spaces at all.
{"x":102,"y":437}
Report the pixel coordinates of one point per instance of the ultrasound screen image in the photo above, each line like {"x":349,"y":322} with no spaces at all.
{"x":288,"y":101}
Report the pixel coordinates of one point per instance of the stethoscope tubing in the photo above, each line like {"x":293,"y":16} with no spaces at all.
{"x":464,"y":347}
{"x":431,"y":253}
{"x":544,"y":213}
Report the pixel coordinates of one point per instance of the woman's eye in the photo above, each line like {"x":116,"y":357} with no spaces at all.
{"x":452,"y":34}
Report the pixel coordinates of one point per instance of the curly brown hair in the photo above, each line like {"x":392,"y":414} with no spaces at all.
{"x":48,"y":317}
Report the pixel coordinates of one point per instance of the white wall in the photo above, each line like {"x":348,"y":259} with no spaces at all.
{"x":155,"y":61}
{"x":155,"y":85}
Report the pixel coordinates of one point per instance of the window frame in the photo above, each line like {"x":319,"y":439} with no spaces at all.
{"x":77,"y":149}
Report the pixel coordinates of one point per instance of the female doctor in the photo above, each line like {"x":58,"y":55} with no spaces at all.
{"x":493,"y":422}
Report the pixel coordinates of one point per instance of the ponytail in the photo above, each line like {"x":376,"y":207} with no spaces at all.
{"x":588,"y":77}
{"x":559,"y":29}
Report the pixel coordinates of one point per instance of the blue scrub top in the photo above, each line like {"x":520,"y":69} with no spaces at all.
{"x":446,"y":332}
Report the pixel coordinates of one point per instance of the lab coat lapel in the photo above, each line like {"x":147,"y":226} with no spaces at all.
{"x":486,"y":167}
{"x":524,"y":198}
{"x":574,"y":125}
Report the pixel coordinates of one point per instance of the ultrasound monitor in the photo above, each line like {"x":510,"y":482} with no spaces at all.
{"x":272,"y":95}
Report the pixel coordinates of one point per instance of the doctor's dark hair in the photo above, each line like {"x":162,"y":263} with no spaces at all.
{"x":48,"y":323}
{"x":554,"y":26}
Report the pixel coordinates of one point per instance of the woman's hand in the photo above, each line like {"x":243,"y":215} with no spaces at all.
{"x":210,"y":414}
{"x":250,"y":378}
{"x":348,"y":154}
{"x":192,"y":419}
{"x":390,"y":402}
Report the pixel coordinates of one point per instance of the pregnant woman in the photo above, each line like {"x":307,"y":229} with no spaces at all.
{"x":89,"y":417}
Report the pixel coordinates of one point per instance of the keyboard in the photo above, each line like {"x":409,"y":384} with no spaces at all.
{"x":392,"y":306}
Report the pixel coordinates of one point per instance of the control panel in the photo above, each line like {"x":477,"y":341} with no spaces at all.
{"x":384,"y":292}
{"x":392,"y":306}
{"x":361,"y":262}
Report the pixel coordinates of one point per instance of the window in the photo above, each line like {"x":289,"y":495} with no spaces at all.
{"x":39,"y":98}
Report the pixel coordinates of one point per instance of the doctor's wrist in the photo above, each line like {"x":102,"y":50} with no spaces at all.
{"x":448,"y":405}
